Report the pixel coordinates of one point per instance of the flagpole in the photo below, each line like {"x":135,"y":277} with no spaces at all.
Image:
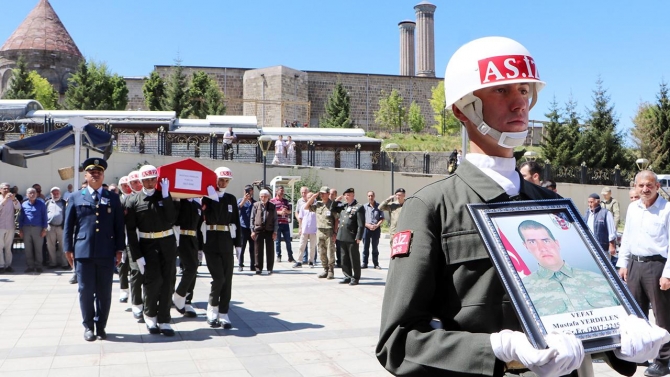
{"x":78,"y":125}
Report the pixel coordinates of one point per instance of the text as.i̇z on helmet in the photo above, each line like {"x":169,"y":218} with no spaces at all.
{"x":507,"y":67}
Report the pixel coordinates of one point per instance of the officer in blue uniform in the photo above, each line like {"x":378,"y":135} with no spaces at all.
{"x":94,"y":232}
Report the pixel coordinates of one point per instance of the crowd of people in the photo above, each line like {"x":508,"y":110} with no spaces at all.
{"x":138,"y":229}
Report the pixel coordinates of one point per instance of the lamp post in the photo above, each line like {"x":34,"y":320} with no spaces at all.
{"x":530,"y":156}
{"x":642,"y":163}
{"x":264,"y":143}
{"x":391,"y":150}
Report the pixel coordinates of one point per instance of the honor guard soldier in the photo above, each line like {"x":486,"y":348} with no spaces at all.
{"x":440,"y":268}
{"x":93,"y":233}
{"x":325,"y":235}
{"x":189,"y":221}
{"x":222,"y":221}
{"x":124,"y":267}
{"x":135,"y":277}
{"x":350,"y":234}
{"x":150,"y":215}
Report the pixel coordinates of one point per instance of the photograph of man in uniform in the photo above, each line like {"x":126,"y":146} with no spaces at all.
{"x":556,"y":287}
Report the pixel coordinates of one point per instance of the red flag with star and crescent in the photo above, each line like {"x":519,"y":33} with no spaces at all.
{"x":518,"y":263}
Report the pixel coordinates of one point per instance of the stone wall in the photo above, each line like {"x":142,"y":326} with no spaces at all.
{"x":287,"y":98}
{"x":56,"y":67}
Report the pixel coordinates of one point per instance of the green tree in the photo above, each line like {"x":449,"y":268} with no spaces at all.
{"x":600,"y":145}
{"x":567,"y":154}
{"x":93,"y":87}
{"x":415,"y":119}
{"x":203,"y":96}
{"x":446,"y":122}
{"x":391,"y":114}
{"x":44,"y":91}
{"x":660,"y":132}
{"x":20,"y":86}
{"x":553,"y":133}
{"x":338,"y":114}
{"x":175,"y":93}
{"x":154,"y":92}
{"x":641,"y":133}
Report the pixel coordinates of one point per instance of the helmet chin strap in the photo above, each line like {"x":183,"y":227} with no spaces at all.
{"x":149,"y":192}
{"x":471,"y":106}
{"x":222,"y":190}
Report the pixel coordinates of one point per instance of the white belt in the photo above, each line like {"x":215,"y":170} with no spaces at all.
{"x":187,"y":232}
{"x":153,"y":235}
{"x":220,"y":228}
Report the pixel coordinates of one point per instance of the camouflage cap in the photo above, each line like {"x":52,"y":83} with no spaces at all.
{"x":324,"y":190}
{"x":605,"y":190}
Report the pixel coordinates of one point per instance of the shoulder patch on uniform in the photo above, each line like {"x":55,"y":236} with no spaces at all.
{"x":401,"y":243}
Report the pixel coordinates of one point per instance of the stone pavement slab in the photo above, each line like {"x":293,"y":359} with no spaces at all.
{"x":288,"y":324}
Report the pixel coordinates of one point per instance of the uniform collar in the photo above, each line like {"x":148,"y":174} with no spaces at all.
{"x":544,"y":273}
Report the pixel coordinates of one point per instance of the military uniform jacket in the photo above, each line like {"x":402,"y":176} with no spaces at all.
{"x":394,"y":209}
{"x":94,"y":231}
{"x":148,"y":214}
{"x":223,"y":212}
{"x":447,"y":275}
{"x":325,"y":218}
{"x":352,"y":220}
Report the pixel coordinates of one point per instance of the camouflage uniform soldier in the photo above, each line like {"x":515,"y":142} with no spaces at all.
{"x":557,"y":288}
{"x":394,"y":205}
{"x":325,"y":235}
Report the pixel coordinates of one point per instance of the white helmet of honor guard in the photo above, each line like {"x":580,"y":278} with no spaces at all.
{"x":223,"y":172}
{"x":148,"y":171}
{"x":483,"y":63}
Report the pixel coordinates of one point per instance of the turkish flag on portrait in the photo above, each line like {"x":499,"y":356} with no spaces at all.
{"x":518,"y":263}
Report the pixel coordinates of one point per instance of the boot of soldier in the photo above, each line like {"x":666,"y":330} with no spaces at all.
{"x":331,"y":272}
{"x":213,"y":316}
{"x":324,"y":273}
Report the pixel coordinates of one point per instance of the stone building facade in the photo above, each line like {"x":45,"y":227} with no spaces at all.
{"x":279,"y":96}
{"x":46,"y":46}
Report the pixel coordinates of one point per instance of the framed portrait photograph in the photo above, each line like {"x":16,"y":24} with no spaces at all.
{"x":557,"y":276}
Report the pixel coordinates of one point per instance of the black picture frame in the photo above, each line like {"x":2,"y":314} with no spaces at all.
{"x":586,"y":296}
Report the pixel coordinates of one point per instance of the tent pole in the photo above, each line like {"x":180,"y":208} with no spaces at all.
{"x":78,"y":125}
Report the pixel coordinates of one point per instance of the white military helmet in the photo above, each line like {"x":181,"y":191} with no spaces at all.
{"x":148,"y":171}
{"x":223,"y":172}
{"x":133,"y":176}
{"x":123,"y":180}
{"x":483,"y":63}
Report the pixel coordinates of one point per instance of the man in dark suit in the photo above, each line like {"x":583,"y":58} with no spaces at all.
{"x":94,"y":230}
{"x":349,"y":233}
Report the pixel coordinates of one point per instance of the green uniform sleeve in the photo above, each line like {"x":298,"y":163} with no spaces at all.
{"x":419,"y":287}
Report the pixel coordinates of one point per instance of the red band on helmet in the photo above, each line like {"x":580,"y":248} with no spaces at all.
{"x":506,"y":68}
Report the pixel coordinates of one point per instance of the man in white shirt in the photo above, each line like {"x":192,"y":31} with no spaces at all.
{"x":228,"y":138}
{"x":601,"y":223}
{"x":8,"y":207}
{"x":643,"y":258}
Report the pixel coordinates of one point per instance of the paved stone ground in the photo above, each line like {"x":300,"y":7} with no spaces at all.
{"x":287,"y":324}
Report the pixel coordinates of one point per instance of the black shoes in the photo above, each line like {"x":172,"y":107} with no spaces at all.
{"x":102,"y":334}
{"x":153,"y":330}
{"x":259,"y":272}
{"x":89,"y":336}
{"x":39,"y":270}
{"x":657,"y":370}
{"x":345,"y":281}
{"x":297,"y":265}
{"x":9,"y":269}
{"x":377,"y":267}
{"x":353,"y":282}
{"x":364,"y":266}
{"x":279,"y":258}
{"x":29,"y":270}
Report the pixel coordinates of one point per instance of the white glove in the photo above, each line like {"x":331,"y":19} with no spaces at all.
{"x":165,"y":187}
{"x":233,"y":230}
{"x":140,"y":264}
{"x":640,"y":340}
{"x":212,"y":194}
{"x":238,"y":252}
{"x":123,"y":257}
{"x":565,"y":352}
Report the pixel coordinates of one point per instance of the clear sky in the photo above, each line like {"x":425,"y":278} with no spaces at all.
{"x":573,"y":42}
